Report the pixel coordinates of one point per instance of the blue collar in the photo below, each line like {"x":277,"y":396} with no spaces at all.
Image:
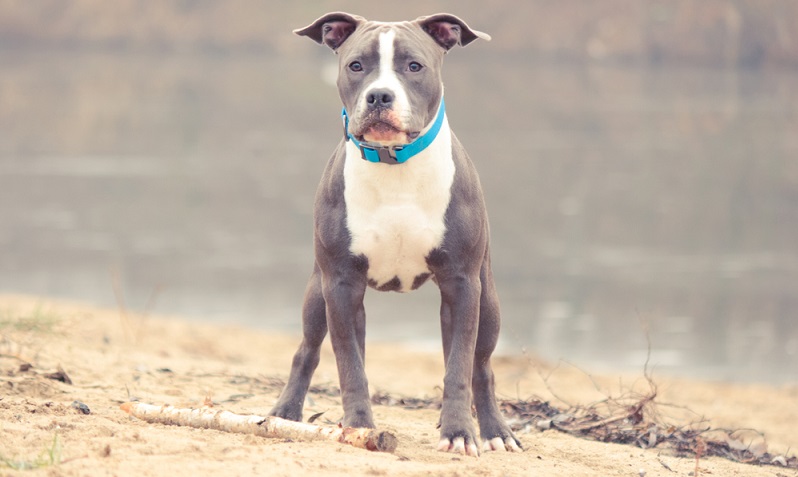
{"x":395,"y":154}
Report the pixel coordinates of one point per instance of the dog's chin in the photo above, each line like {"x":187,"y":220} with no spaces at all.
{"x":386,"y":134}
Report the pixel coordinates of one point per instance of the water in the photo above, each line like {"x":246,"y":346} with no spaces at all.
{"x":626,"y":203}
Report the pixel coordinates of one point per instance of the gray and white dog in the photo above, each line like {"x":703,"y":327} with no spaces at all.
{"x":399,"y":203}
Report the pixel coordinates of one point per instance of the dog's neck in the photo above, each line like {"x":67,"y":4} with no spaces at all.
{"x":396,"y":154}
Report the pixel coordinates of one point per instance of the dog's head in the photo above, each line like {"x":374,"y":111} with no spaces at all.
{"x":389,"y":74}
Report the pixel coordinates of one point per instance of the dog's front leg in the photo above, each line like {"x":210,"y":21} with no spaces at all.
{"x":346,"y":320}
{"x":459,"y":321}
{"x":314,"y":329}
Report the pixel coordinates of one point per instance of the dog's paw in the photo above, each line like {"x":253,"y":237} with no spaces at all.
{"x":459,"y":445}
{"x":459,"y":439}
{"x":458,"y":434}
{"x":288,"y":413}
{"x":508,"y":444}
{"x":359,"y":417}
{"x":497,"y":436}
{"x":287,"y":408}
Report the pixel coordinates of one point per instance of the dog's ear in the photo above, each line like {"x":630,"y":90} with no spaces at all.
{"x":331,"y":29}
{"x":448,"y":30}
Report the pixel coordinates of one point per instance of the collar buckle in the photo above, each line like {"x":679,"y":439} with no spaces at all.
{"x":385,"y":154}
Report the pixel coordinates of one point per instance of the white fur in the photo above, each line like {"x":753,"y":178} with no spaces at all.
{"x":395,"y":213}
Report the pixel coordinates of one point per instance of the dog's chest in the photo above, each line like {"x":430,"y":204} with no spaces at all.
{"x":396,"y":213}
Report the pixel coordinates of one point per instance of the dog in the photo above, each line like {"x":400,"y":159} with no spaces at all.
{"x":400,"y":203}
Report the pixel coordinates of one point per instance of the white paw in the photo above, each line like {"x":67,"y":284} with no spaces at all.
{"x":458,"y":446}
{"x":499,"y":445}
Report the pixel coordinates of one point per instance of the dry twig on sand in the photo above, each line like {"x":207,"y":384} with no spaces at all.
{"x":274,"y":427}
{"x":634,"y":419}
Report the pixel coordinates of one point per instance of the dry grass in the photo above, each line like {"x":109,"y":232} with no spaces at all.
{"x":48,"y":457}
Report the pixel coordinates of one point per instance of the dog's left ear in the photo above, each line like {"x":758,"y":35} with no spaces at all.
{"x":448,"y":30}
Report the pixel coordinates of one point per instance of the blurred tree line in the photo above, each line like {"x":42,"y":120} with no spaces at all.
{"x":729,"y":33}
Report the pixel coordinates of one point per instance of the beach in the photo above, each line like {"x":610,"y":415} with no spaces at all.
{"x":65,"y":368}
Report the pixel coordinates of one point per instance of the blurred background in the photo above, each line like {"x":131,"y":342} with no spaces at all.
{"x":639,"y":159}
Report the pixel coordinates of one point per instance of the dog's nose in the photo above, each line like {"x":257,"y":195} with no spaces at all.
{"x":380,"y":98}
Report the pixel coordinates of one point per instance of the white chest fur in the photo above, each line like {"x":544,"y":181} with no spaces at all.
{"x":395,"y":213}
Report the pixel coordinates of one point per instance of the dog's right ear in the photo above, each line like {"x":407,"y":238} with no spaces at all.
{"x":331,"y":29}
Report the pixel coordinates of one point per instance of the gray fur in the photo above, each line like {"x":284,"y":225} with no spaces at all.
{"x":460,"y":266}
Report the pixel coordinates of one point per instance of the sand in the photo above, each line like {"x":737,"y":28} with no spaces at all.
{"x":112,"y":357}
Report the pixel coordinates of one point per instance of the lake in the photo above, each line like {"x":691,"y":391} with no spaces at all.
{"x":628,"y":204}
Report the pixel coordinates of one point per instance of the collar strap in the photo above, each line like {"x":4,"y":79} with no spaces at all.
{"x":395,"y":154}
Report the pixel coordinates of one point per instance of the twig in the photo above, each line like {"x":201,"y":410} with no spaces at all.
{"x":592,"y":425}
{"x":127,"y":322}
{"x":548,"y":386}
{"x":274,"y":427}
{"x":120,"y":301}
{"x":700,"y":448}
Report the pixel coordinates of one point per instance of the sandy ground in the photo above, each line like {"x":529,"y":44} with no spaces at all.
{"x":112,"y":357}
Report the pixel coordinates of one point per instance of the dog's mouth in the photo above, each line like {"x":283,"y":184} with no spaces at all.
{"x":385,"y":132}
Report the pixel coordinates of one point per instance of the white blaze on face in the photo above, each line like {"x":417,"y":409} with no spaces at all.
{"x":387,"y":79}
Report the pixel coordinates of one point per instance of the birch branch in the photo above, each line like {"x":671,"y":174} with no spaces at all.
{"x":270,"y":426}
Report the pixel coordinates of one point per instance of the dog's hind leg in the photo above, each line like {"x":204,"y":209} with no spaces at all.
{"x":314,"y":329}
{"x":494,"y":431}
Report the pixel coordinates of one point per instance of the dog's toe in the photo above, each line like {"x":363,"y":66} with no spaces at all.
{"x":511,"y":444}
{"x":495,"y":444}
{"x":508,"y":444}
{"x":458,"y":445}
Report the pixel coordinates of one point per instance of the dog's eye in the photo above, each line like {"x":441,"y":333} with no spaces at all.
{"x":414,"y":67}
{"x":355,"y":66}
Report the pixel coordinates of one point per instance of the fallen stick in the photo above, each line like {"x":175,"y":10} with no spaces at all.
{"x":270,"y":426}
